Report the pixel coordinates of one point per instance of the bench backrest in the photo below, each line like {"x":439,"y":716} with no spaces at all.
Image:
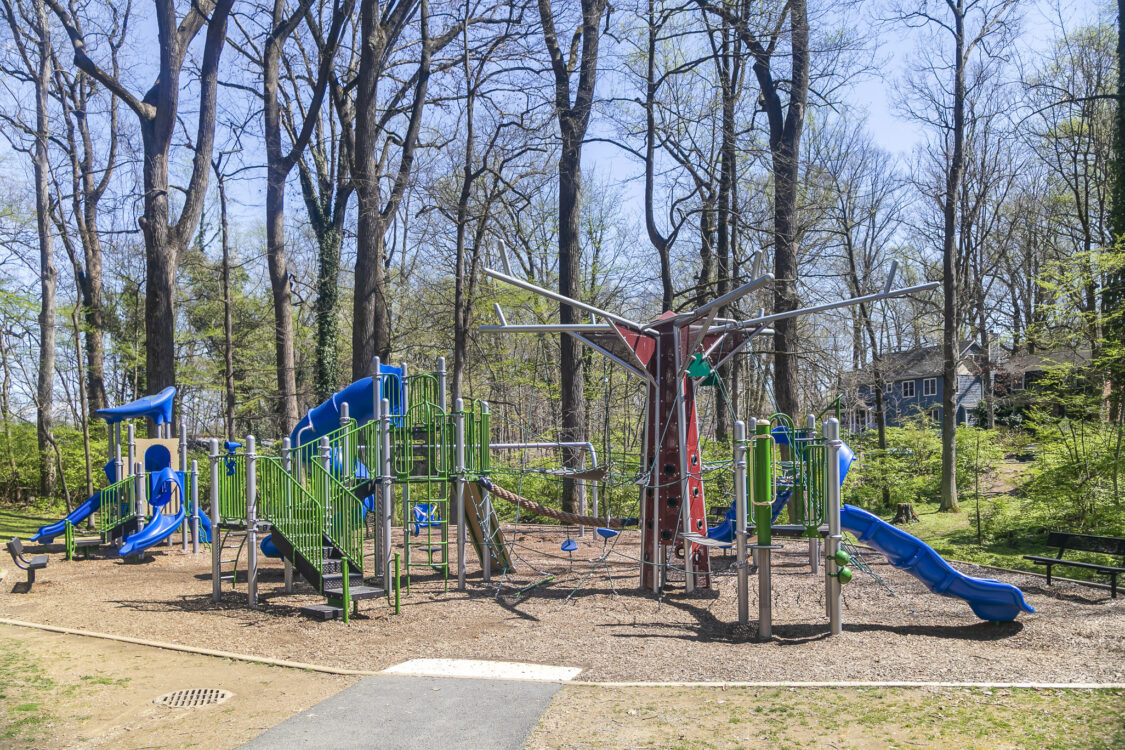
{"x":15,"y":547}
{"x":1106,"y":545}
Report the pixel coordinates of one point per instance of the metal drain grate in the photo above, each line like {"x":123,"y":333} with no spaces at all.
{"x":194,"y":698}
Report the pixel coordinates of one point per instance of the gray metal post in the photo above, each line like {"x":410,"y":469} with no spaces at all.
{"x":287,"y":464}
{"x":216,"y":537}
{"x":251,"y":523}
{"x":142,"y":495}
{"x":185,"y":525}
{"x":118,"y":464}
{"x":345,"y":449}
{"x":832,"y":458}
{"x":131,"y":447}
{"x":459,"y":481}
{"x":195,"y":507}
{"x":486,"y":522}
{"x":740,"y":533}
{"x":814,"y":543}
{"x":441,"y":378}
{"x":386,"y":492}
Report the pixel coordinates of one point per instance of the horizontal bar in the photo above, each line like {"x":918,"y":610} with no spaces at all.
{"x":727,"y":298}
{"x":834,"y":305}
{"x":561,"y":298}
{"x":550,"y":328}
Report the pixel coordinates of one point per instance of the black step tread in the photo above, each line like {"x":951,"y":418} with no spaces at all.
{"x":354,"y":592}
{"x":323,"y":611}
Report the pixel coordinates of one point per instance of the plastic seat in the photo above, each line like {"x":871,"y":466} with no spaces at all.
{"x":606,"y":534}
{"x":425,"y":515}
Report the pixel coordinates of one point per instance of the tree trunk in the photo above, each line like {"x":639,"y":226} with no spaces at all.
{"x":950,"y":344}
{"x":573,"y":118}
{"x":48,"y":275}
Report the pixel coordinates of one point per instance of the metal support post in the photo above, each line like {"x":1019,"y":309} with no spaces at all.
{"x":251,"y":524}
{"x":287,"y":464}
{"x":386,"y":504}
{"x":141,"y":494}
{"x":810,"y":497}
{"x":345,"y":448}
{"x":131,"y":447}
{"x":441,"y":378}
{"x":685,"y":487}
{"x":486,"y":521}
{"x":459,"y":481}
{"x":216,"y":536}
{"x":740,"y":533}
{"x":832,"y":477}
{"x":763,"y":495}
{"x":195,"y":507}
{"x":185,"y":524}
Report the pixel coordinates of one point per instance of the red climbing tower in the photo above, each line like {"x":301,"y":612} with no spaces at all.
{"x":672,"y":353}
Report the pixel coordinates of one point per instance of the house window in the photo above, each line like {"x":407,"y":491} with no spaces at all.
{"x":929,"y":387}
{"x":935,"y":413}
{"x":908,"y":389}
{"x":1018,"y":381}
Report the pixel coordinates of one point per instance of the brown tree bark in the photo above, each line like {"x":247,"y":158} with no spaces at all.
{"x":573,"y":113}
{"x":278,"y":166}
{"x":158,"y":114}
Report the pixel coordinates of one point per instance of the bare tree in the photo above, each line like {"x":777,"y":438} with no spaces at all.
{"x":573,"y":105}
{"x":32,"y":36}
{"x":977,"y":30}
{"x":158,"y":112}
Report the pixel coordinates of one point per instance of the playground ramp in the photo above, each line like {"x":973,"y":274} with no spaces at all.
{"x":988,"y":598}
{"x":501,"y":563}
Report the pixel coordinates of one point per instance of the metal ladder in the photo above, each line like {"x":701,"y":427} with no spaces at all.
{"x":228,"y":541}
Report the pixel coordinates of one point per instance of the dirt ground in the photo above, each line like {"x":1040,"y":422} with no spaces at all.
{"x":66,"y":691}
{"x":1074,"y":635}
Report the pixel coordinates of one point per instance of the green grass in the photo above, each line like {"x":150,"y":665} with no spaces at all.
{"x":25,"y":697}
{"x":954,"y":536}
{"x":25,"y":521}
{"x":838,"y":717}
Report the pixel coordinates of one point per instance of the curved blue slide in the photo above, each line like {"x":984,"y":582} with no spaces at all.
{"x":47,"y":534}
{"x":989,"y":599}
{"x":165,"y":482}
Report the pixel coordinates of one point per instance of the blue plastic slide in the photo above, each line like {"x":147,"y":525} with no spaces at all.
{"x":989,"y":599}
{"x":165,"y":484}
{"x":47,"y":534}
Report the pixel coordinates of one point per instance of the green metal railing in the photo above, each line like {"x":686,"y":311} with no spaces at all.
{"x":343,"y":513}
{"x":292,"y":509}
{"x":232,"y":488}
{"x":477,"y":460}
{"x":118,"y":504}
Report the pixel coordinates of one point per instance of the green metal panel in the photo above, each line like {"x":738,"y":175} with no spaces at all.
{"x":232,"y":488}
{"x":342,"y":512}
{"x":293,"y":511}
{"x":118,"y":504}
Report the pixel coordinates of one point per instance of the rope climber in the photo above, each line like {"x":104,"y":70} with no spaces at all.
{"x":559,"y":515}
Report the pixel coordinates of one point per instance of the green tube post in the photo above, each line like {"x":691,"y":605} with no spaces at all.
{"x":398,"y":609}
{"x":762,"y":488}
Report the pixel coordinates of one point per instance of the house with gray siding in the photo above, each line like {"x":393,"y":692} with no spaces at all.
{"x":912,"y":386}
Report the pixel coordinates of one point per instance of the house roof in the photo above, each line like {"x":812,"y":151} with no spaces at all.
{"x":1042,"y":361}
{"x":923,"y":362}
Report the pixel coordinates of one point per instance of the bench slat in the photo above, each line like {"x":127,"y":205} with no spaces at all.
{"x":1106,"y":545}
{"x":1072,"y":563}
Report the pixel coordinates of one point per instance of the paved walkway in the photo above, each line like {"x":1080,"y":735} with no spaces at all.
{"x":403,"y":713}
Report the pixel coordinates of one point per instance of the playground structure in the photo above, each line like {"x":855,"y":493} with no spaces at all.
{"x":388,"y":446}
{"x":146,"y":500}
{"x":387,"y":443}
{"x":674,"y":354}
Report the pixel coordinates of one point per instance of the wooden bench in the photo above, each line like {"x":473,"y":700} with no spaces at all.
{"x":1106,"y":545}
{"x":15,"y":549}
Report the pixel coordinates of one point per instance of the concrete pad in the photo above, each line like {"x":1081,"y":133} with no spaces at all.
{"x":485,"y":670}
{"x":412,"y":713}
